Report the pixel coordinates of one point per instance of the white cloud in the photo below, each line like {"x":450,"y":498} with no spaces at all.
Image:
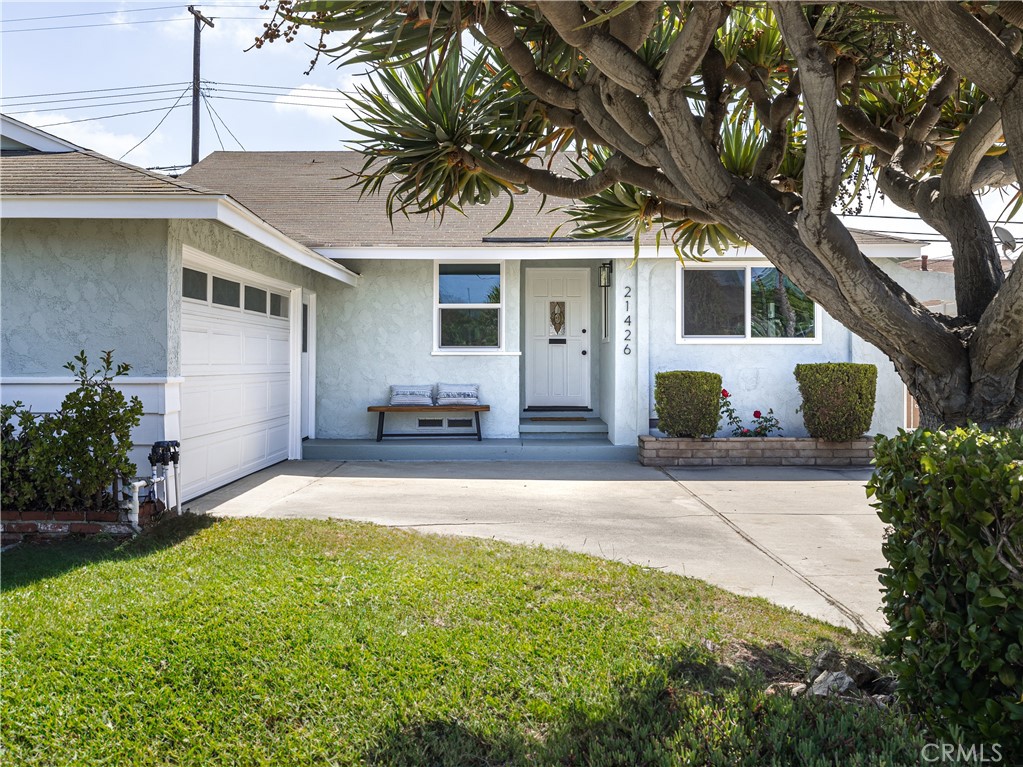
{"x":100,"y":139}
{"x":314,"y":101}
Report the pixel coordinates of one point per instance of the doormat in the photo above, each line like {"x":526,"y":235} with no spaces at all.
{"x":564,"y":418}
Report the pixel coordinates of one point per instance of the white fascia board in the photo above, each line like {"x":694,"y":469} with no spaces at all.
{"x":527,"y":251}
{"x":34,"y":138}
{"x":582,"y":252}
{"x":252,"y":226}
{"x":175,"y":206}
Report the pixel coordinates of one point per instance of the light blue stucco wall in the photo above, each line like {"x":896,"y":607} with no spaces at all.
{"x":760,"y":376}
{"x":381,"y":333}
{"x":77,"y":284}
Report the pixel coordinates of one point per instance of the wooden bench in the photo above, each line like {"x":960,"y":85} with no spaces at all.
{"x":382,"y":410}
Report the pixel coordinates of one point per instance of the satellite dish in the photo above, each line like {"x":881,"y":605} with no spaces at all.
{"x":1005,"y":237}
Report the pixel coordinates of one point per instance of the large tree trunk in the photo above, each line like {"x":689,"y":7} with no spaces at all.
{"x":947,"y":401}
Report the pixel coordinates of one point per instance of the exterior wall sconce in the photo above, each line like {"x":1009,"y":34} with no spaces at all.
{"x":604,"y":275}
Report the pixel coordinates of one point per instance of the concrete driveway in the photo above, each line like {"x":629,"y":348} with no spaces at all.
{"x":803,"y":538}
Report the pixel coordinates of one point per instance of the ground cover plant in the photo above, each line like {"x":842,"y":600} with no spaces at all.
{"x":244,"y":642}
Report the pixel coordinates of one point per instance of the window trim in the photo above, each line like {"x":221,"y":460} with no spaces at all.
{"x":500,"y":307}
{"x":748,"y":338}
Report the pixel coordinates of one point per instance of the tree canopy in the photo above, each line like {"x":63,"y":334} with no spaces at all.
{"x":718,"y":123}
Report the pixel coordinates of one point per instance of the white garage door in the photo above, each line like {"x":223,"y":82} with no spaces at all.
{"x":235,"y":361}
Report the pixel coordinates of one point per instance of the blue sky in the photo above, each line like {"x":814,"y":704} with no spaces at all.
{"x":118,"y":57}
{"x":64,"y":64}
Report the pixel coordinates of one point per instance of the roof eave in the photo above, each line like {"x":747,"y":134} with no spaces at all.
{"x":175,"y":207}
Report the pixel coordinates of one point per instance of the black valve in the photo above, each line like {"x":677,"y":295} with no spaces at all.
{"x":165,"y":452}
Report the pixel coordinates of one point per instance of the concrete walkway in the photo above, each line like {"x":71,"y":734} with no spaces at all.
{"x":803,"y":538}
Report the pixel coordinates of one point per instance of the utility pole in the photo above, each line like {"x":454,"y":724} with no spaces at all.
{"x":199,"y":21}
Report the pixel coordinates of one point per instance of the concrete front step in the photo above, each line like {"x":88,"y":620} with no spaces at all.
{"x":579,"y":448}
{"x":542,"y":426}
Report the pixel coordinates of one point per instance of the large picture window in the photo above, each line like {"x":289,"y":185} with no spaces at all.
{"x":469,"y":305}
{"x":747,"y":303}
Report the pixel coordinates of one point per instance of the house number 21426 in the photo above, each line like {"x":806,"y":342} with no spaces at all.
{"x":627,"y":322}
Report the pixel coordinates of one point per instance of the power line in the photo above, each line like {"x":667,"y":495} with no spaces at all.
{"x":213,"y":122}
{"x":93,"y":90}
{"x":210,"y":107}
{"x":89,"y":106}
{"x":91,"y":98}
{"x":87,"y":26}
{"x":338,"y":96}
{"x":105,"y":13}
{"x":106,"y":117}
{"x":282,"y":103}
{"x":181,"y":96}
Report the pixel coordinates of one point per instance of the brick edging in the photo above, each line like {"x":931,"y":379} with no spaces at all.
{"x":18,"y":526}
{"x":753,"y":451}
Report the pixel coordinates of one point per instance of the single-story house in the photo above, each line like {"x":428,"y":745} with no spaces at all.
{"x":264,"y":306}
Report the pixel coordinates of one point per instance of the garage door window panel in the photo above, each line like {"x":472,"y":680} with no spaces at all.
{"x":194,"y":284}
{"x":255,"y":300}
{"x":226,"y":292}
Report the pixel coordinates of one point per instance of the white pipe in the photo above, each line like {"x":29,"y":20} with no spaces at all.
{"x":133,"y":511}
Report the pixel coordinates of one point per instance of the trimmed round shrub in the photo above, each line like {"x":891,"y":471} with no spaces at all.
{"x":688,"y":402}
{"x":838,"y":398}
{"x":953,"y":587}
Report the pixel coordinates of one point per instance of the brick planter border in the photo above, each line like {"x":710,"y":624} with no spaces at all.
{"x":753,"y":451}
{"x":18,"y":526}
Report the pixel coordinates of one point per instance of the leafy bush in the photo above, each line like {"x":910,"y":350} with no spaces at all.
{"x":687,"y":402}
{"x":838,"y":398}
{"x":70,"y":458}
{"x":953,"y":587}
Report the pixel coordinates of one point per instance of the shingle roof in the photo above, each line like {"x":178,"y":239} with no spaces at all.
{"x":305,"y":195}
{"x":31,"y":173}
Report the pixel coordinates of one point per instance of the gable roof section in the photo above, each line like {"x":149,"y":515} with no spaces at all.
{"x":85,"y":184}
{"x":306,"y":195}
{"x":14,"y":134}
{"x":28,"y":173}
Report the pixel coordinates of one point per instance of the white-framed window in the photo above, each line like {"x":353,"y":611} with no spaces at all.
{"x":742,"y":303}
{"x":468,"y":306}
{"x":223,"y":292}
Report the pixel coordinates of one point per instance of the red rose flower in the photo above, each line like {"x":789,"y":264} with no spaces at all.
{"x":724,"y":393}
{"x":756,"y":414}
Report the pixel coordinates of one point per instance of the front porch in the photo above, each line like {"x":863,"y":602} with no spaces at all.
{"x":523,"y":448}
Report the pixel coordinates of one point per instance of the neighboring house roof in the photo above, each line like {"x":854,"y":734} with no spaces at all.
{"x":307,"y":195}
{"x":942,"y":264}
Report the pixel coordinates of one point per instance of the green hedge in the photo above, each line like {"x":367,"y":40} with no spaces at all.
{"x":953,"y":587}
{"x":688,"y":402}
{"x":838,"y":398}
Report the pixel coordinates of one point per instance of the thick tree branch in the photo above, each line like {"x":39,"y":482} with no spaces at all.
{"x":688,"y":49}
{"x":856,"y":121}
{"x":871,"y":298}
{"x":899,"y":188}
{"x":916,"y":151}
{"x":629,"y":111}
{"x":976,"y":139}
{"x":500,"y":30}
{"x":543,"y":180}
{"x":612,"y":134}
{"x":994,"y":172}
{"x":995,"y":350}
{"x":964,"y":44}
{"x":606,"y":53}
{"x":634,"y":26}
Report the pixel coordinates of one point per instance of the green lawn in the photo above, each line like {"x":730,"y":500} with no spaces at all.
{"x":245,"y":642}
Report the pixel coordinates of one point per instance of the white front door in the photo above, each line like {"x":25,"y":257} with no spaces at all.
{"x":558,"y":337}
